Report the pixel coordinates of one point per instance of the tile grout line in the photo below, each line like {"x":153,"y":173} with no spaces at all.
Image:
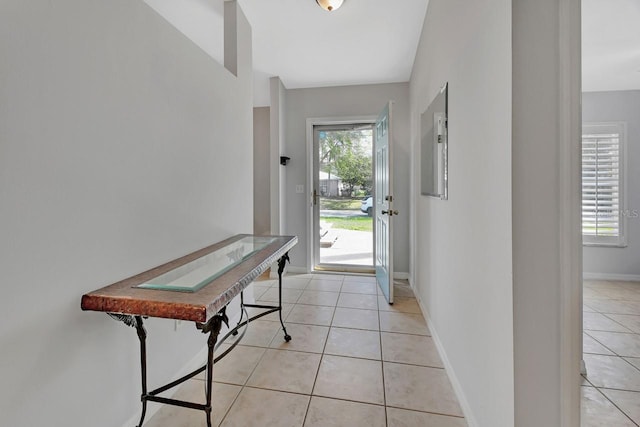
{"x":244,"y":385}
{"x":229,"y":408}
{"x":616,"y":406}
{"x":428,"y":412}
{"x":267,"y":347}
{"x":315,"y":380}
{"x":614,"y":389}
{"x":598,"y":341}
{"x":304,"y":419}
{"x":384,"y":385}
{"x":613,"y":332}
{"x":614,"y":320}
{"x":615,"y":354}
{"x":624,"y":358}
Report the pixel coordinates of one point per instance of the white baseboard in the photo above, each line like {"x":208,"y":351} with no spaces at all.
{"x":398,"y":275}
{"x":288,"y":269}
{"x":401,"y":275}
{"x":457,"y":388}
{"x":198,"y":360}
{"x":612,"y":276}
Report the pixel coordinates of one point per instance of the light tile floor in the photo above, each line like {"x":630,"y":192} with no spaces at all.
{"x":611,"y":388}
{"x":353,"y":361}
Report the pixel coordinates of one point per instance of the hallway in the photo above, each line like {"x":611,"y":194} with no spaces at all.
{"x":354,"y":361}
{"x":611,"y":388}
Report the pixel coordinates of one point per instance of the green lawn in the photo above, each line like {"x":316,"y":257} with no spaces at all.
{"x":601,"y":231}
{"x":340,"y":204}
{"x":361,"y":223}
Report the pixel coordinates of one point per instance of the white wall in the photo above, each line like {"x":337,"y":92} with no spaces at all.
{"x":337,"y":102}
{"x":118,"y":139}
{"x":619,"y":106}
{"x":277,"y":129}
{"x":261,"y":171}
{"x":463,"y":263}
{"x":546,"y":212}
{"x":497,"y":265}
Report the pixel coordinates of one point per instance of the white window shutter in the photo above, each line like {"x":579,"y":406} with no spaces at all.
{"x":602,"y":184}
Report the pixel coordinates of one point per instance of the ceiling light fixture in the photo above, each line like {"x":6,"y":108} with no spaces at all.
{"x":330,"y":5}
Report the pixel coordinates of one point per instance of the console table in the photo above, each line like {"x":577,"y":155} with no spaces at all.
{"x":196,"y":287}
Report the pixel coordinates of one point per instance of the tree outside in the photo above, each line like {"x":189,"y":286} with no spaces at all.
{"x":347,"y":154}
{"x":346,"y":176}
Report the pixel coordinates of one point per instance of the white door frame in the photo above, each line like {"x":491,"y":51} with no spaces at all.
{"x":570,"y":194}
{"x":321,"y":121}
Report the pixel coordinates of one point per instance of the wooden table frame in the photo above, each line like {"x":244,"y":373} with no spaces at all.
{"x":206,"y":307}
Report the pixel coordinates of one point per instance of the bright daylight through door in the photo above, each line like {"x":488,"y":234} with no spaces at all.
{"x":343,"y":202}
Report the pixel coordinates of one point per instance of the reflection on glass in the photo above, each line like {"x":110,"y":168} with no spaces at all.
{"x":196,"y":274}
{"x":344,"y":176}
{"x":434,"y":142}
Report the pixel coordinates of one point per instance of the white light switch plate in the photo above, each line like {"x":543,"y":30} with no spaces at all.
{"x":299,"y":189}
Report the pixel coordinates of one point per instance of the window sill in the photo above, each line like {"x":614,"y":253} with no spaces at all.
{"x":605,"y":245}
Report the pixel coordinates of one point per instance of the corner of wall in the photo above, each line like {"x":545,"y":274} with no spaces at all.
{"x":455,"y":382}
{"x":231,"y":36}
{"x":277,"y":122}
{"x":118,"y":135}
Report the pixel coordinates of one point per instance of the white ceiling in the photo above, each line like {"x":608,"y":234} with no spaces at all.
{"x":610,"y":45}
{"x":370,"y":41}
{"x":365,"y":41}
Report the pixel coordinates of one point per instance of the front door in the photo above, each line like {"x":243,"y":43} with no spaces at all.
{"x":383,"y":203}
{"x":342,"y":202}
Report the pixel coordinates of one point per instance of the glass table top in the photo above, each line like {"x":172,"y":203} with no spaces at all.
{"x":200,"y":272}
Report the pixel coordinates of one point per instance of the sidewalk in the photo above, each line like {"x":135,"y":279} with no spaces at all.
{"x":350,"y":247}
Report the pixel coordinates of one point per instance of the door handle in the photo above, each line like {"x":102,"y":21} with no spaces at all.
{"x":315,"y":197}
{"x":390,"y":213}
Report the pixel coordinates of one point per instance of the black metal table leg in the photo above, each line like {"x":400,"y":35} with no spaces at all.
{"x":281,"y":263}
{"x":136,"y":322}
{"x":142,"y":336}
{"x":212,"y":327}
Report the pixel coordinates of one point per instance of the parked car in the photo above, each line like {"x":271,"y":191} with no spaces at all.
{"x":367,"y":205}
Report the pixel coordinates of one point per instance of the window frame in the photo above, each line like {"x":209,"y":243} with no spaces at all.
{"x":596,"y":128}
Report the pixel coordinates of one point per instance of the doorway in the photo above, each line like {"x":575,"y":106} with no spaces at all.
{"x":342,"y":199}
{"x":610,"y":215}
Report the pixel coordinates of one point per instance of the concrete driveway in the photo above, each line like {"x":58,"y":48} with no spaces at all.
{"x":349,"y":247}
{"x":342,"y":213}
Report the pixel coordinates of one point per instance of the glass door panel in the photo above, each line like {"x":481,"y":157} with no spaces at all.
{"x":343,"y":202}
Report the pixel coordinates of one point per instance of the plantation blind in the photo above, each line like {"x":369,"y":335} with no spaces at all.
{"x":601,"y":184}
